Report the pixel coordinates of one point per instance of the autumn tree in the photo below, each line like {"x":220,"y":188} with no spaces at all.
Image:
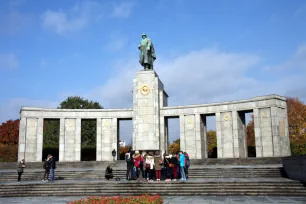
{"x":296,"y":120}
{"x":250,"y":133}
{"x":9,"y":136}
{"x":175,"y":146}
{"x":9,"y":132}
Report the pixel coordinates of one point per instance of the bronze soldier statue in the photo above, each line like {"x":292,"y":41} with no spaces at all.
{"x":147,"y":53}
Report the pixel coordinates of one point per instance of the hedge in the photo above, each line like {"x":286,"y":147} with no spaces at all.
{"x":298,"y":149}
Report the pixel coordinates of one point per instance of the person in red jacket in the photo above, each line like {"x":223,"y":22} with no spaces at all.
{"x":137,"y":159}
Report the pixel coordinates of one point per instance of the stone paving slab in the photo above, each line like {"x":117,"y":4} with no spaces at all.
{"x":173,"y":200}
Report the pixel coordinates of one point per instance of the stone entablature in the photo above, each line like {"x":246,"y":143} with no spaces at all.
{"x":239,"y":105}
{"x":50,"y":113}
{"x":150,"y":129}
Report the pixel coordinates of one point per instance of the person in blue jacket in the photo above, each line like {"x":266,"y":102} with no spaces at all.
{"x":182,"y":166}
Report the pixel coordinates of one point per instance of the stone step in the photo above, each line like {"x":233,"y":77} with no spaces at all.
{"x":165,"y":189}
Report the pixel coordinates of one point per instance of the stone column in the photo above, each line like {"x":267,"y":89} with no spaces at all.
{"x":70,"y":139}
{"x":146,"y":95}
{"x":40,"y":130}
{"x":257,"y":131}
{"x":22,"y":139}
{"x":31,"y":140}
{"x":281,"y":143}
{"x":200,"y":138}
{"x":227,"y":136}
{"x":163,"y":135}
{"x":62,"y":140}
{"x":204,"y":141}
{"x":239,"y":135}
{"x":286,"y":150}
{"x":107,"y":142}
{"x":99,"y":140}
{"x":78,"y":140}
{"x":182,"y":133}
{"x":263,"y":132}
{"x":219,"y":138}
{"x":189,"y":140}
{"x":114,"y":135}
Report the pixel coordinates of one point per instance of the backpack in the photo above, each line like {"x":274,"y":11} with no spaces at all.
{"x":46,"y":165}
{"x":187,"y":161}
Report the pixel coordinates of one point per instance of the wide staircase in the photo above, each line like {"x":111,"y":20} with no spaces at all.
{"x":194,"y":173}
{"x":246,"y":179}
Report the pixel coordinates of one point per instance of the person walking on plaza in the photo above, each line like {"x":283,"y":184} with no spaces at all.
{"x":114,"y":154}
{"x":20,"y":167}
{"x":52,"y":165}
{"x":47,"y":170}
{"x":129,"y":166}
{"x":158,"y":161}
{"x":182,"y":166}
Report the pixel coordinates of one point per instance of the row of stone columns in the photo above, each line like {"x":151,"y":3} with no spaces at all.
{"x":271,"y":134}
{"x":31,"y":139}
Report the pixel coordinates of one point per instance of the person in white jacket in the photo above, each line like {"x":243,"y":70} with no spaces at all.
{"x":149,"y":166}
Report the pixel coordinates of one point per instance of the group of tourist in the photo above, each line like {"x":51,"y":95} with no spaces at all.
{"x":152,"y":166}
{"x":49,"y":167}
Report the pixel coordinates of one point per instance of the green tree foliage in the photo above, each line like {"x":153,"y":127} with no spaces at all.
{"x":76,"y":102}
{"x":51,"y":133}
{"x":88,"y":133}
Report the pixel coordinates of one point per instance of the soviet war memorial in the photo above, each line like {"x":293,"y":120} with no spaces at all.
{"x":206,"y":106}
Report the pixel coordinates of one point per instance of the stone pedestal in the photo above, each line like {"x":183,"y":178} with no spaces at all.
{"x":148,"y":96}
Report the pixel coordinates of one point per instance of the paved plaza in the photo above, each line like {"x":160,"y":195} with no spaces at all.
{"x":173,"y":200}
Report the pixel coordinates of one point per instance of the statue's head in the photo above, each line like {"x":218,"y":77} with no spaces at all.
{"x":144,"y":36}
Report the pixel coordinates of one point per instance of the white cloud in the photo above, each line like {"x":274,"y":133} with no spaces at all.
{"x":8,"y":61}
{"x":75,"y":19}
{"x":122,"y":10}
{"x":199,"y":77}
{"x":10,"y":109}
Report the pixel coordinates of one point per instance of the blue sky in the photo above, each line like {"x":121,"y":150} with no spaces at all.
{"x":207,"y":51}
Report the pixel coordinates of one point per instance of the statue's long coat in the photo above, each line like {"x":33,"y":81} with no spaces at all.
{"x":146,"y":56}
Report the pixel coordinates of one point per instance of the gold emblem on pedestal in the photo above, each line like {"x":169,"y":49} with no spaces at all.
{"x":225,"y":117}
{"x":264,"y":114}
{"x":189,"y":120}
{"x":145,"y":90}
